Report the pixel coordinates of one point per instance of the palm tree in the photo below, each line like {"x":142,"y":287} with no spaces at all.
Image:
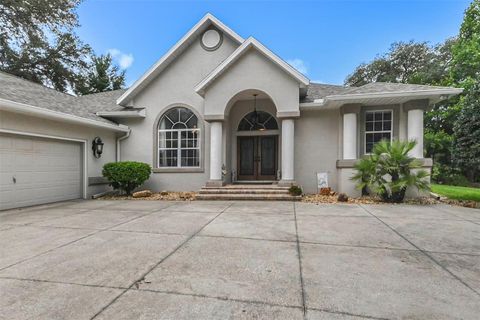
{"x":389,"y":171}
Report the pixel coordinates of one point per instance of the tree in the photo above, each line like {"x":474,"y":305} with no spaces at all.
{"x":406,"y":62}
{"x":101,"y":76}
{"x":466,"y":71}
{"x":466,"y":51}
{"x":467,"y":134}
{"x":37,"y":41}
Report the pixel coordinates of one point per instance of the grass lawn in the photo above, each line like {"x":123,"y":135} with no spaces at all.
{"x":459,"y":193}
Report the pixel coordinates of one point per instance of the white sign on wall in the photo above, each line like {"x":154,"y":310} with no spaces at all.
{"x":322,"y":180}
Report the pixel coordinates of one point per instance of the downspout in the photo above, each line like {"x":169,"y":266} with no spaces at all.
{"x":119,"y":140}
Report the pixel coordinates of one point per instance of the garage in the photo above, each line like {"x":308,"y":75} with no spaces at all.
{"x":37,"y":170}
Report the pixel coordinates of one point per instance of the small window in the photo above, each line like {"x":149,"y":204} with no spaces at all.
{"x":378,"y":126}
{"x":258,"y":120}
{"x":178,"y":139}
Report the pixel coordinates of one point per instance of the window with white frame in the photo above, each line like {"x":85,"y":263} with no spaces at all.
{"x":378,"y":126}
{"x":178,"y":139}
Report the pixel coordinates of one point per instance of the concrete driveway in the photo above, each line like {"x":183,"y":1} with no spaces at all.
{"x":239,"y":260}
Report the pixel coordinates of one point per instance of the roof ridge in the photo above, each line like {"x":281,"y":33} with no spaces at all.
{"x":100,"y":93}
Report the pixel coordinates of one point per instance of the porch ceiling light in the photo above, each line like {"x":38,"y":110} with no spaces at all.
{"x":97,"y":147}
{"x":255,"y":123}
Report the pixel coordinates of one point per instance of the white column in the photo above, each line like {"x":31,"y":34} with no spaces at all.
{"x":350,"y":136}
{"x":216,"y":151}
{"x":415,"y":131}
{"x":288,"y":149}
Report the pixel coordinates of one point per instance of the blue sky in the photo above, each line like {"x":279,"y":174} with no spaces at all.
{"x":325,"y":39}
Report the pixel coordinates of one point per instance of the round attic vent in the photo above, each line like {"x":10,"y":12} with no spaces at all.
{"x":211,"y":39}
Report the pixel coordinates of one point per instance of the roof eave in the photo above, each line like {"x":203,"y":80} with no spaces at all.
{"x":409,"y":93}
{"x":172,"y":53}
{"x":122,"y":114}
{"x":17,"y":107}
{"x":333,"y":101}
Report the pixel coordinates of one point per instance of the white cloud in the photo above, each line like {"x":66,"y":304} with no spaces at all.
{"x":298,"y":64}
{"x":124,"y":60}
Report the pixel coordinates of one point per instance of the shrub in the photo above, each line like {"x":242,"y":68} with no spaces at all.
{"x":365,"y":171}
{"x":295,"y":191}
{"x":127,"y":175}
{"x":444,"y":174}
{"x":389,"y":171}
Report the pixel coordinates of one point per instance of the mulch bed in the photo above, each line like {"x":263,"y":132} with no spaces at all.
{"x":317,"y":198}
{"x":164,"y":195}
{"x":310,"y":198}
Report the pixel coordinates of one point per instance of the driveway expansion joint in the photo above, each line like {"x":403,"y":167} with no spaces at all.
{"x":299,"y":253}
{"x":135,"y":283}
{"x":426,"y":253}
{"x":63,"y":282}
{"x":96,"y":231}
{"x":264,"y":303}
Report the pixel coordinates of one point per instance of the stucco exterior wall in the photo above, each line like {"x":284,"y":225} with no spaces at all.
{"x":252,"y":71}
{"x":35,"y":125}
{"x":316,"y":147}
{"x":174,"y":86}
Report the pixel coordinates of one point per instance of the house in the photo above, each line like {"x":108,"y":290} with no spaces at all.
{"x":215,"y":109}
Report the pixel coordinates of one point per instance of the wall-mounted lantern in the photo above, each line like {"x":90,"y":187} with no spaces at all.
{"x":97,"y":147}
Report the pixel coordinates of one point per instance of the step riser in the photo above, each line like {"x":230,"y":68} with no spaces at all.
{"x":229,"y":197}
{"x":243,"y":192}
{"x":247,"y":188}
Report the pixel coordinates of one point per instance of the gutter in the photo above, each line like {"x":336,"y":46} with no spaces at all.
{"x":410,"y":93}
{"x":119,"y":140}
{"x":122,"y":114}
{"x":17,"y":107}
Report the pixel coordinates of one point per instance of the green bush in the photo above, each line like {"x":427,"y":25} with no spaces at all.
{"x":389,"y":171}
{"x":295,"y":191}
{"x":126,"y":175}
{"x":443,"y":174}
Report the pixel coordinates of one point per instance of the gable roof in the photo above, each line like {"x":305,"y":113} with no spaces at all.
{"x":239,"y":52}
{"x":174,"y":52}
{"x":19,"y":94}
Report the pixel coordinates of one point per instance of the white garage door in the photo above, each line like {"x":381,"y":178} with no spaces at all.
{"x":37,"y":170}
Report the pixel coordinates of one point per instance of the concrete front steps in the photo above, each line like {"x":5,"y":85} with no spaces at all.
{"x":247,"y":192}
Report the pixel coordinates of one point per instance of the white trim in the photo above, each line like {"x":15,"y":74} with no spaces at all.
{"x":179,"y":148}
{"x":83,"y":141}
{"x":173,"y":53}
{"x":378,"y":95}
{"x":409,"y":93}
{"x":364,"y":124}
{"x":9,"y":105}
{"x":250,"y":43}
{"x":123,"y":114}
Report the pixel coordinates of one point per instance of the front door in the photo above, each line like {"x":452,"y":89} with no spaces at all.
{"x":257,"y":158}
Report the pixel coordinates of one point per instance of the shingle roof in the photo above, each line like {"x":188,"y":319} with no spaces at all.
{"x":320,"y":91}
{"x":104,"y":101}
{"x":379,"y":87}
{"x":19,"y":90}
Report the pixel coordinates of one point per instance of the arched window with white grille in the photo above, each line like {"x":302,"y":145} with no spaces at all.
{"x":178,"y":139}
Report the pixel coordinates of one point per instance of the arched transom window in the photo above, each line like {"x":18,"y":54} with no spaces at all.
{"x":258,"y":120}
{"x":178,"y":139}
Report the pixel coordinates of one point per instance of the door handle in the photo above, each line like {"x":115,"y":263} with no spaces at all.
{"x":14,"y":179}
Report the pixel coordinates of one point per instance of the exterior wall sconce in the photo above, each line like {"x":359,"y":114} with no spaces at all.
{"x":97,"y":147}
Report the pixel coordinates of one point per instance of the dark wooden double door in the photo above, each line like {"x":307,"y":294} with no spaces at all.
{"x":257,"y":157}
